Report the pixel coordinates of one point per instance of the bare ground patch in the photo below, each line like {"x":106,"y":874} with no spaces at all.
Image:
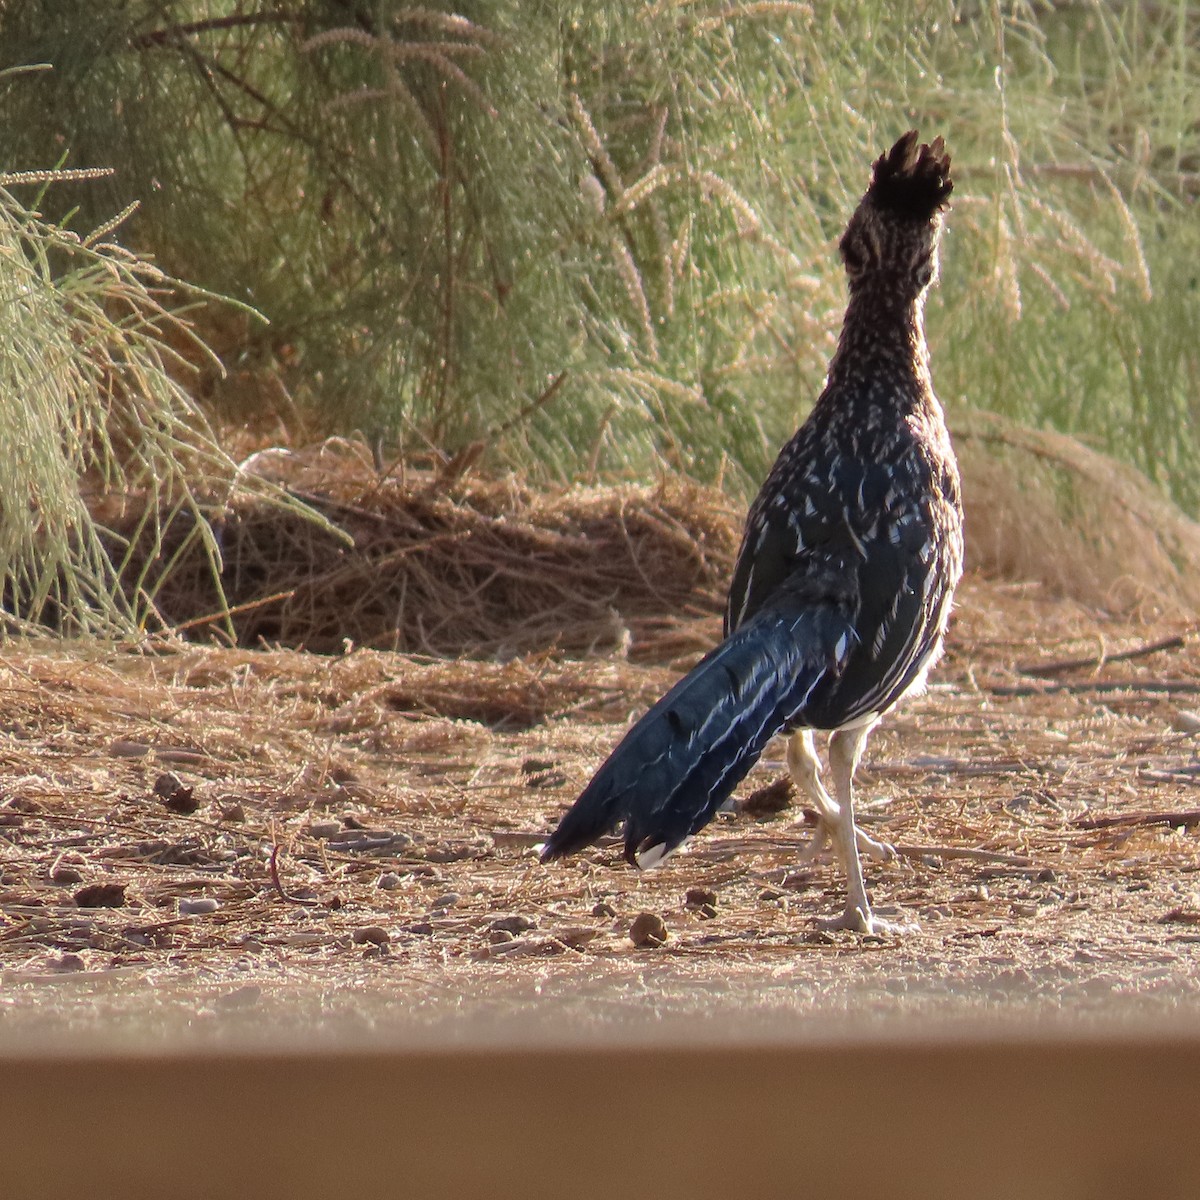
{"x":208,"y":832}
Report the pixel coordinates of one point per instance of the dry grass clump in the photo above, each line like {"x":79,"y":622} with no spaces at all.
{"x":429,"y":563}
{"x":447,"y":567}
{"x":1044,"y":506}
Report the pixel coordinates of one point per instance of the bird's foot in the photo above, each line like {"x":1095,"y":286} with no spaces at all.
{"x":874,"y":849}
{"x":861,"y":919}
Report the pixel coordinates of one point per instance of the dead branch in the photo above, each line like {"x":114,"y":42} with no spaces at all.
{"x":1074,"y":664}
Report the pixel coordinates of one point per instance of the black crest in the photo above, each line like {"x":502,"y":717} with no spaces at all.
{"x":910,"y":180}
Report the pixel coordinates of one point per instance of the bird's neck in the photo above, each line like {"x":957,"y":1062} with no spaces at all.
{"x":883,"y":337}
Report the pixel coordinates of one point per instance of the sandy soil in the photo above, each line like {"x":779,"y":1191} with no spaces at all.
{"x":209,"y":843}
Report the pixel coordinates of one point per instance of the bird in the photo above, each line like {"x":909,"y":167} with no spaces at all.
{"x":842,"y":588}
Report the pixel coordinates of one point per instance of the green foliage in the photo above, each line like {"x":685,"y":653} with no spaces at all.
{"x":91,"y":417}
{"x":441,"y":214}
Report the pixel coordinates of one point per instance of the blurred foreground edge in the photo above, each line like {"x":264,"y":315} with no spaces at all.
{"x":956,"y":1118}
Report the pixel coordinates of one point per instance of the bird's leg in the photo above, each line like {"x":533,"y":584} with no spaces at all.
{"x":805,"y":770}
{"x":845,"y":749}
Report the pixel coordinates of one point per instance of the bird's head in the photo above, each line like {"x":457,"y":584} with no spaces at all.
{"x":893,"y":235}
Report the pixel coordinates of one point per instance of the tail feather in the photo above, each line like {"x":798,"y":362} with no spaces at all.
{"x":680,"y":762}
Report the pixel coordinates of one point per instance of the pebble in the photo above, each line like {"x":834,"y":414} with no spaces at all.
{"x":325,"y":829}
{"x":167,"y":784}
{"x":648,"y":929}
{"x":65,"y":875}
{"x":1186,"y":722}
{"x":375,"y":935}
{"x":101,"y":895}
{"x":241,"y":997}
{"x":448,"y":900}
{"x":389,"y":881}
{"x":197,"y":906}
{"x":603,"y":909}
{"x":514,"y":924}
{"x":575,"y":936}
{"x":702,"y":901}
{"x":978,"y":891}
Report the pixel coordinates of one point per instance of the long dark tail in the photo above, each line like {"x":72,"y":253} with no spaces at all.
{"x":680,"y":762}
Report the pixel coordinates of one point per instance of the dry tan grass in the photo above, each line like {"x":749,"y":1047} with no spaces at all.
{"x":371,"y":818}
{"x":1044,"y":506}
{"x":450,"y":565}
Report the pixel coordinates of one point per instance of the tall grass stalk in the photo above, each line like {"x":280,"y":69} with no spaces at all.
{"x":93,"y":417}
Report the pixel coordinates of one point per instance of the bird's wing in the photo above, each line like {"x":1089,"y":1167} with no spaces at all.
{"x":872,"y":520}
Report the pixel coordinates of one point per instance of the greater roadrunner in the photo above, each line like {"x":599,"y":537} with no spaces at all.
{"x":842,"y":588}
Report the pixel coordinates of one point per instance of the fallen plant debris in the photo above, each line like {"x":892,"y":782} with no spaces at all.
{"x":343,"y":826}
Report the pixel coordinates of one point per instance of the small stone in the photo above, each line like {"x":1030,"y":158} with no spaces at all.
{"x":233,"y":813}
{"x":648,"y":929}
{"x":497,"y":937}
{"x":325,"y":829}
{"x":575,"y":936}
{"x":374,"y":935}
{"x":514,"y":924}
{"x":770,"y":895}
{"x":699,"y":897}
{"x":389,"y":881}
{"x":448,"y":900}
{"x":241,"y":997}
{"x":603,"y":909}
{"x":65,"y":875}
{"x":978,"y":891}
{"x":1046,"y":875}
{"x":1186,"y":722}
{"x":101,"y":895}
{"x":197,"y":906}
{"x":167,"y":784}
{"x":67,"y":963}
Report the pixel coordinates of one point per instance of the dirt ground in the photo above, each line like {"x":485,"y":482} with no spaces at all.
{"x":205,"y":843}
